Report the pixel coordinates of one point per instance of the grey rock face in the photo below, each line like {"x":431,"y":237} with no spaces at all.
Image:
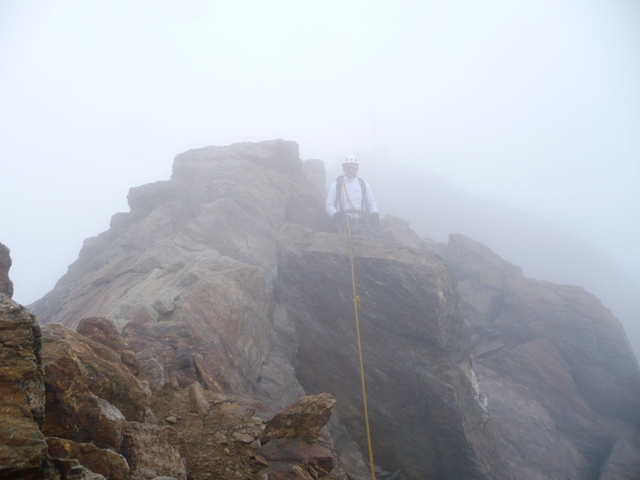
{"x":623,"y":462}
{"x":188,"y":271}
{"x":561,"y":379}
{"x":427,"y":416}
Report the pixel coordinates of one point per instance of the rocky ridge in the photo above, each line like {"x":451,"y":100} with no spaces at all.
{"x":221,"y":277}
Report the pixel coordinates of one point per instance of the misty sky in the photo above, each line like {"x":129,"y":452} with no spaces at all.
{"x":536,"y":104}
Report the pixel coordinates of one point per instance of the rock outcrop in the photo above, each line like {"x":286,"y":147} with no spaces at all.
{"x":562,"y":383}
{"x":59,"y":419}
{"x":90,"y":393}
{"x":23,"y":449}
{"x":189,"y":269}
{"x":6,"y":285}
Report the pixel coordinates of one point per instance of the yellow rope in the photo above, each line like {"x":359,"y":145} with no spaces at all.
{"x":356,"y":302}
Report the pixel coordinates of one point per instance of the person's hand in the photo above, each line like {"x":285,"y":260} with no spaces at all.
{"x":375,"y":219}
{"x":339,"y":218}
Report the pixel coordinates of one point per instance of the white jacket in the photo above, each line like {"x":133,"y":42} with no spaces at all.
{"x":351,"y":198}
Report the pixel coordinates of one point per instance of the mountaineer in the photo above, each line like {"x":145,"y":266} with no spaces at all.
{"x":350,"y":202}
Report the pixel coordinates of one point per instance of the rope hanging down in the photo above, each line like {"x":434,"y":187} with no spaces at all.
{"x":356,"y":302}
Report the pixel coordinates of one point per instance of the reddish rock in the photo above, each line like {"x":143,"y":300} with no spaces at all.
{"x":102,"y":330}
{"x":292,"y":450}
{"x":71,"y":469}
{"x":89,"y":392}
{"x":99,"y":367}
{"x":103,"y":461}
{"x":153,"y":451}
{"x":6,"y":285}
{"x":285,"y":471}
{"x":302,"y":419}
{"x":175,"y":344}
{"x":23,"y":449}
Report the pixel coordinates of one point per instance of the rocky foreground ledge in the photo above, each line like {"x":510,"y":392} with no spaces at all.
{"x":73,"y":410}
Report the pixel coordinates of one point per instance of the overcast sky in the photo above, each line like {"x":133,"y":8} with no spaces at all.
{"x":533,"y":103}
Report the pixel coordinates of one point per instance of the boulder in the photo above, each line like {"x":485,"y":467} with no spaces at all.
{"x":395,"y":230}
{"x":420,"y":383}
{"x":6,"y":285}
{"x":89,"y":392}
{"x":71,"y":469}
{"x":302,"y":419}
{"x":23,"y":450}
{"x":296,"y":453}
{"x":152,"y":372}
{"x":199,"y":403}
{"x":102,"y":461}
{"x":285,"y":471}
{"x":102,"y":330}
{"x":153,"y":451}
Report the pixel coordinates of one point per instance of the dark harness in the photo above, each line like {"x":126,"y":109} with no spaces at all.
{"x":338,"y":203}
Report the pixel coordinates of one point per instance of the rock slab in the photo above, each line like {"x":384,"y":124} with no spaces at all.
{"x":302,"y":419}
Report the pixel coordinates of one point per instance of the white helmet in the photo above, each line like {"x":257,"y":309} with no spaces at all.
{"x":350,"y":160}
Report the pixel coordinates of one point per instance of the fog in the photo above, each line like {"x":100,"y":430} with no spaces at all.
{"x":515,"y":123}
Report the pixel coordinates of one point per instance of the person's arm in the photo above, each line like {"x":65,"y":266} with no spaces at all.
{"x":330,"y":205}
{"x":371,"y":203}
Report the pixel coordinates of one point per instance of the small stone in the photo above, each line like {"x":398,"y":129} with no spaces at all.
{"x":302,"y":419}
{"x":171,"y":419}
{"x":197,"y":399}
{"x":243,"y":437}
